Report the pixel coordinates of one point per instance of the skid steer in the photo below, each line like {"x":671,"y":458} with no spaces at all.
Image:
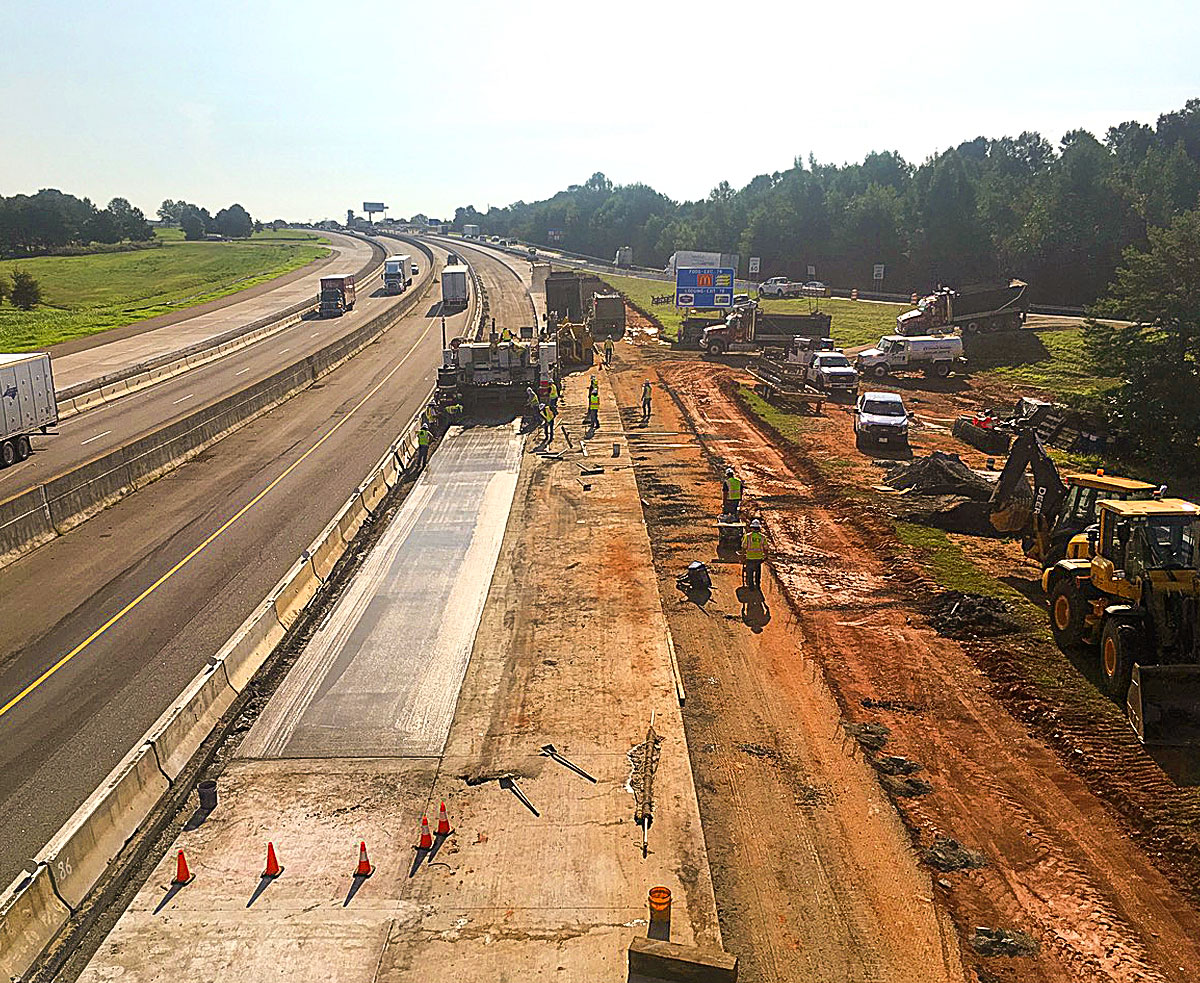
{"x":1136,"y":602}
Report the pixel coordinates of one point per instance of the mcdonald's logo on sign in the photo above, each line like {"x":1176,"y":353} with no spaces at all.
{"x":704,"y":289}
{"x":704,"y":280}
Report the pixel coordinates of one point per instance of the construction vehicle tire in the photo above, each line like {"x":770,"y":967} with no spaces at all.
{"x":971,"y":328}
{"x":8,"y":454}
{"x":23,"y":448}
{"x":941,"y":369}
{"x":1118,"y":644}
{"x":1068,"y":608}
{"x":880,"y":371}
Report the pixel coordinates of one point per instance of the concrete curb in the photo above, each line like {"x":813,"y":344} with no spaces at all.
{"x":77,"y":495}
{"x":30,"y":915}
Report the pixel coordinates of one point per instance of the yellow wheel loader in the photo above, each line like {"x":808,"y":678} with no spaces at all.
{"x":1136,"y":602}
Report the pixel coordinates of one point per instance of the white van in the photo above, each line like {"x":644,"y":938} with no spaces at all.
{"x":935,"y":355}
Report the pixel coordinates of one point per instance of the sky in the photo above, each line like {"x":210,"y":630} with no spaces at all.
{"x":300,"y":109}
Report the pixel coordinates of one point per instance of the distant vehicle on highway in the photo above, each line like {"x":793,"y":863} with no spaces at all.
{"x":337,"y":295}
{"x":780,"y":286}
{"x":396,"y":277}
{"x":415,"y":269}
{"x":454,"y":287}
{"x":815,"y":288}
{"x":880,"y":418}
{"x":26,"y":403}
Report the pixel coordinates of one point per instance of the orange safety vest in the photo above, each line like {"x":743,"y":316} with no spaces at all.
{"x":754,"y":544}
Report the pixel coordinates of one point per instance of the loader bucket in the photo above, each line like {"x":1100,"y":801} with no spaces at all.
{"x":1164,"y":704}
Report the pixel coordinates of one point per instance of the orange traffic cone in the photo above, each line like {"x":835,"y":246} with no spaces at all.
{"x":443,"y":826}
{"x":364,"y":865}
{"x":182,"y":874}
{"x":273,"y":868}
{"x":426,"y":841}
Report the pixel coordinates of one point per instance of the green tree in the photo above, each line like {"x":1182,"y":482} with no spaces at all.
{"x":4,"y":288}
{"x":26,"y":291}
{"x":234,"y":222}
{"x":102,"y":227}
{"x":1157,"y":356}
{"x":195,"y":222}
{"x":131,"y":222}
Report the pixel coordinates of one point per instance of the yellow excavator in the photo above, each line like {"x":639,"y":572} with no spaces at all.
{"x":1136,"y":602}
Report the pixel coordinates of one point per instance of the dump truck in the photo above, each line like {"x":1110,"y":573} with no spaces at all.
{"x":397,"y":273}
{"x":27,"y":403}
{"x":1052,"y":516}
{"x":607,"y":316}
{"x":751,"y":329}
{"x":972,"y":310}
{"x":624,"y":257}
{"x":454,"y":287}
{"x":337,"y":295}
{"x":1136,"y":603}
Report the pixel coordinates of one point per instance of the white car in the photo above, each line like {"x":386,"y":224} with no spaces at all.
{"x":880,"y":419}
{"x":415,"y":269}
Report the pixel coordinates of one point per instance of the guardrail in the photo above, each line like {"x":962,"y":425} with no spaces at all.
{"x":115,"y":385}
{"x":50,"y":509}
{"x":38,"y":904}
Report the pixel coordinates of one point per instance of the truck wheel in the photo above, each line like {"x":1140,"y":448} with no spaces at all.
{"x":971,"y":328}
{"x":23,"y":448}
{"x":941,"y":369}
{"x":880,"y":371}
{"x":1067,"y":611}
{"x":1118,"y":645}
{"x":715,"y":349}
{"x":8,"y":454}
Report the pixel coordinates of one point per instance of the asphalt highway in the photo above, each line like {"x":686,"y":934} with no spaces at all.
{"x":96,"y":432}
{"x":59,"y":741}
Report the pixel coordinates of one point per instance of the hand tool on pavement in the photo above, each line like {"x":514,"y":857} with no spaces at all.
{"x":552,"y":752}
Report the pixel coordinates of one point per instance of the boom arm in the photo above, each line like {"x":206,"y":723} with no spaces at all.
{"x":1009,"y":509}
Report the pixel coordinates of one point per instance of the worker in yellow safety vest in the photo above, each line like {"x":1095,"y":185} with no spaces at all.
{"x":754,"y":551}
{"x":552,"y":395}
{"x":593,"y":414}
{"x":593,"y":386}
{"x":731,"y":493}
{"x":424,"y":436}
{"x":608,"y":351}
{"x":547,"y":424}
{"x":506,"y":334}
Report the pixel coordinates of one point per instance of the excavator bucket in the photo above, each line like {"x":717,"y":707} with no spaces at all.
{"x":1164,"y":704}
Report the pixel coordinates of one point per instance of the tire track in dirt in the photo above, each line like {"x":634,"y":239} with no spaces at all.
{"x":1060,"y":868}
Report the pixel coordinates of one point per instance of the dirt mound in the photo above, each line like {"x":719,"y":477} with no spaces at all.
{"x":940,"y":474}
{"x":956,"y":614}
{"x":952,"y":513}
{"x":948,"y":854}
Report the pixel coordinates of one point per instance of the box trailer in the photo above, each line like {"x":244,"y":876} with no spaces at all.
{"x":337,"y":295}
{"x":470,"y":231}
{"x":27,"y":403}
{"x":454,"y":287}
{"x":397,"y":273}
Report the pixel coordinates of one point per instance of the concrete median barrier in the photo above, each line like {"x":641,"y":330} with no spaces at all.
{"x":30,"y":916}
{"x":374,"y":492}
{"x":76,"y":496}
{"x":298,"y":587}
{"x":390,"y":469}
{"x":326,"y":550}
{"x":179,"y":732}
{"x":351,"y":518}
{"x":25,"y":523}
{"x":81,"y":851}
{"x":247,"y":649}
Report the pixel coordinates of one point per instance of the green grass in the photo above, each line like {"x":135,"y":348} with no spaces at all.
{"x":788,"y":425}
{"x":83,"y":295}
{"x":1054,"y":361}
{"x":855,"y":322}
{"x":946,"y":562}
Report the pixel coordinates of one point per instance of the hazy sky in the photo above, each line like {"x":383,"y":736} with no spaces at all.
{"x":301,"y":109}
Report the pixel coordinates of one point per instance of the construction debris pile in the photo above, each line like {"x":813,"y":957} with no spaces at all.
{"x":940,"y":474}
{"x":959,"y":615}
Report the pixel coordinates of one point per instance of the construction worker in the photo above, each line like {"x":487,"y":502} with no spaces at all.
{"x":593,"y":386}
{"x":431,"y":414}
{"x":646,"y":401}
{"x":506,"y":334}
{"x":533,"y":410}
{"x":424,"y":436}
{"x":547,"y":423}
{"x":731,"y":493}
{"x":608,"y":351}
{"x":454,"y":411}
{"x":593,"y":417}
{"x":552,"y":395}
{"x":754,"y":551}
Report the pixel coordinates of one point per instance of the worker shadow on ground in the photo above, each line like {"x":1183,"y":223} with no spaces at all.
{"x":756,"y":613}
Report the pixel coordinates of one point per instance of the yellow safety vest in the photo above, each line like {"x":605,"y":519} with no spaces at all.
{"x":645,"y":391}
{"x":608,"y":344}
{"x":506,"y":335}
{"x":547,"y":414}
{"x":733,"y":489}
{"x":552,"y":392}
{"x":754,"y":545}
{"x":594,"y":401}
{"x":423,"y":437}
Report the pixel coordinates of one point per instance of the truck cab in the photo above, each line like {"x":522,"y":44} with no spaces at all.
{"x":337,"y":295}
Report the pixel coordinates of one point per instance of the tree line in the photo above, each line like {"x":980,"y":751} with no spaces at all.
{"x":51,"y":220}
{"x":990,"y":208}
{"x":233,"y":222}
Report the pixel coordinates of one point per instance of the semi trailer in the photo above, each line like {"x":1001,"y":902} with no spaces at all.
{"x":454,"y":287}
{"x":337,"y":295}
{"x":397,"y":274}
{"x":27,"y":403}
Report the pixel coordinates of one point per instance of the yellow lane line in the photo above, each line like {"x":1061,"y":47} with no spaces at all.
{"x":207,"y":542}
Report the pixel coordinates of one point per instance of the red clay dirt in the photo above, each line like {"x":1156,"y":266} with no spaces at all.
{"x":811,"y":882}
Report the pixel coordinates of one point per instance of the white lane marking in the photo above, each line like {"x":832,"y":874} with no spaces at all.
{"x":240,"y":371}
{"x":182,"y":398}
{"x":284,"y":350}
{"x":97,"y":437}
{"x":314,"y":334}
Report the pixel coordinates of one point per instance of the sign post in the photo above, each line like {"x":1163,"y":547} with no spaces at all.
{"x":878,"y":276}
{"x":708,"y":287}
{"x":373,"y":207}
{"x":812,"y":271}
{"x":755,"y":266}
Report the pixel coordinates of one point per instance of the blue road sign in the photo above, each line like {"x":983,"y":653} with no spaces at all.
{"x":704,"y":288}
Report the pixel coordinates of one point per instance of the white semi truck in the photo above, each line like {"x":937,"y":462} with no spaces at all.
{"x":397,"y":274}
{"x":454,"y":287}
{"x":470,"y":231}
{"x":27,"y":403}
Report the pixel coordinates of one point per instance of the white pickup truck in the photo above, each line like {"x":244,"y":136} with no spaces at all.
{"x":831,"y":372}
{"x":935,"y":355}
{"x":780,"y":286}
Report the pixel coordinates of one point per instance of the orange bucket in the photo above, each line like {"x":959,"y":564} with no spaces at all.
{"x":660,"y":903}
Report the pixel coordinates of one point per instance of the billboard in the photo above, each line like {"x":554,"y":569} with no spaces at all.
{"x":374,"y":206}
{"x":554,"y":235}
{"x":704,"y":287}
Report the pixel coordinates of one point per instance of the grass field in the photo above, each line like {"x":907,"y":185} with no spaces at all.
{"x":1056,"y":361}
{"x":854,"y":322}
{"x":82,"y":295}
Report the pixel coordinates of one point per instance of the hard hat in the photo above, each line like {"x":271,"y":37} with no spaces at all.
{"x":729,"y":472}
{"x":755,"y":524}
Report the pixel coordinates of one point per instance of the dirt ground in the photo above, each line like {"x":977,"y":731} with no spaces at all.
{"x":789,"y":703}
